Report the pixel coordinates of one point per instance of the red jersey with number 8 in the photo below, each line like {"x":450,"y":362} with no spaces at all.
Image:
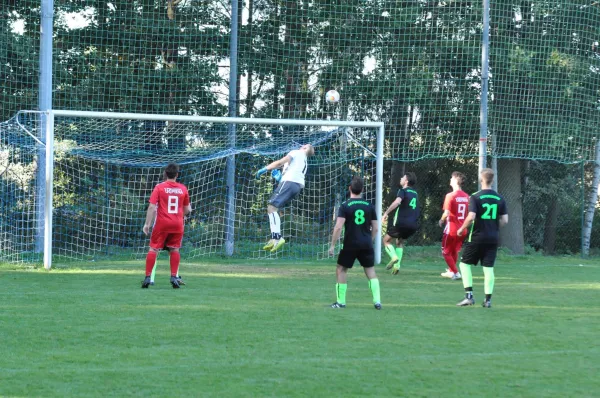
{"x":170,"y":199}
{"x":457,"y":203}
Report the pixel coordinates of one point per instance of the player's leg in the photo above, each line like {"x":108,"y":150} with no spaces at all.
{"x":448,"y":253}
{"x":173,"y":243}
{"x":274,"y":225}
{"x":399,"y":255}
{"x":389,"y":248}
{"x":488,"y":260}
{"x":367,"y":260}
{"x":285,"y":192}
{"x":157,"y":242}
{"x":458,"y":242}
{"x":470,"y":257}
{"x":345,"y":262}
{"x":153,"y":274}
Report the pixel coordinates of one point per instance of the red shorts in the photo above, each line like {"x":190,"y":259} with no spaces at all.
{"x":452,"y":243}
{"x":159,"y":240}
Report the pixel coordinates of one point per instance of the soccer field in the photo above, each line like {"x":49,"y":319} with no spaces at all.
{"x":265,"y":329}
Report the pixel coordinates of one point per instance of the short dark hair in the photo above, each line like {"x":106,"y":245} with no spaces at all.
{"x":487,"y":175}
{"x":357,"y":185}
{"x":172,"y":170}
{"x":411,"y":178}
{"x":460,"y":177}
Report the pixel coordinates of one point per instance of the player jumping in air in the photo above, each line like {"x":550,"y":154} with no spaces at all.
{"x":169,"y":203}
{"x":487,"y":213}
{"x":360,"y":221}
{"x":455,"y":209}
{"x":404,"y":223}
{"x":291,"y":182}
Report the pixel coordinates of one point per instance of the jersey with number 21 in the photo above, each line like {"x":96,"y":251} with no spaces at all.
{"x":170,"y":199}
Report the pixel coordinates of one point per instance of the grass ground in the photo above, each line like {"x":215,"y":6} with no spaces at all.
{"x":264,"y":329}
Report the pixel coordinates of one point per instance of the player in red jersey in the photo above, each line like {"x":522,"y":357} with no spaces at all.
{"x":456,"y":206}
{"x":169,"y":203}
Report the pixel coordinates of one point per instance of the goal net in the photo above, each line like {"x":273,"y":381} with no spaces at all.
{"x":106,"y":165}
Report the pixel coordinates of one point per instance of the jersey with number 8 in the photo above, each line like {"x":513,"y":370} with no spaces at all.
{"x":170,"y":198}
{"x":457,"y":204}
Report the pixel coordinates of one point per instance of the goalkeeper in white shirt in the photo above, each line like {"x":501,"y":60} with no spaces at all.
{"x":291,"y":182}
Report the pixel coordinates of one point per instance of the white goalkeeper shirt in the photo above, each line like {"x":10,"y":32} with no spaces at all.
{"x":295,"y":170}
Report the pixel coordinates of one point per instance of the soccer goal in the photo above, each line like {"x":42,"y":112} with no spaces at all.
{"x":102,"y":167}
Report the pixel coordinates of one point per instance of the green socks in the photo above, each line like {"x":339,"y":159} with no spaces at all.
{"x":390,"y":251}
{"x":399,"y":253}
{"x":340,"y":291}
{"x":374,"y":286}
{"x":488,"y":275}
{"x":153,"y":272}
{"x":467,"y":275}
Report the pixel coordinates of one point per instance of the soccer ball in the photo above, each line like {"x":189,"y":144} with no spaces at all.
{"x":332,"y":96}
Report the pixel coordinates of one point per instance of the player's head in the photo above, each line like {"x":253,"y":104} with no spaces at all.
{"x":308,"y":149}
{"x":357,"y":185}
{"x":457,"y":179}
{"x":171,"y":171}
{"x":409,"y":179}
{"x":486,"y":176}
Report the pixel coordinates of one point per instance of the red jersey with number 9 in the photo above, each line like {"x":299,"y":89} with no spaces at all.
{"x":457,"y":203}
{"x":169,"y":198}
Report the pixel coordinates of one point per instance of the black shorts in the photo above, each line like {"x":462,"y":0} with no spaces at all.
{"x":401,"y":231}
{"x":284,"y":193}
{"x":474,"y":252}
{"x":366,"y":257}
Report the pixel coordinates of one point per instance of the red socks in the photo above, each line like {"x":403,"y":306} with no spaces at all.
{"x":174,"y":262}
{"x":451,"y":261}
{"x":150,"y":261}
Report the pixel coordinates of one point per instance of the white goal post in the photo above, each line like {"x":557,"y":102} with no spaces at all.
{"x":332,"y":134}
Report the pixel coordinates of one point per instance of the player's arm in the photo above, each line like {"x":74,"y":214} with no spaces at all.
{"x":187,"y":209}
{"x":467,"y":223}
{"x":150,"y":216}
{"x":503,"y":214}
{"x":274,"y":165}
{"x":392,"y":207}
{"x":444,"y":217}
{"x":337,"y":232}
{"x":446,"y":209}
{"x":374,"y":229}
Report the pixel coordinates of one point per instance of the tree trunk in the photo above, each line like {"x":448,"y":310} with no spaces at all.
{"x":591,"y":205}
{"x":509,"y":186}
{"x":399,"y":141}
{"x":549,"y":245}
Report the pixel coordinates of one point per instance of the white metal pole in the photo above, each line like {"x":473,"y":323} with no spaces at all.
{"x":44,"y":104}
{"x":48,"y":193}
{"x":483,"y":114}
{"x":379,"y":189}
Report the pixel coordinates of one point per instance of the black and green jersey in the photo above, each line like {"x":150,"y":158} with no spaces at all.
{"x":488,"y":206}
{"x":358,"y":214}
{"x":407,"y":213}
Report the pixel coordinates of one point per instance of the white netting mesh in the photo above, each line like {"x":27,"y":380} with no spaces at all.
{"x":105,"y":170}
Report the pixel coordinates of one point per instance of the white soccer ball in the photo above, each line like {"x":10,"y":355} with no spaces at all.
{"x":332,"y":96}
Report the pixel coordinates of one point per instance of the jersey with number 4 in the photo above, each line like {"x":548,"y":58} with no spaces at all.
{"x":357,"y":229}
{"x":170,"y":199}
{"x":407,"y":213}
{"x":488,"y":206}
{"x":457,"y":204}
{"x":295,"y":170}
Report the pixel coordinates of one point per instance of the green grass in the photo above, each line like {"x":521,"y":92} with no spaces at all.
{"x":249,"y":329}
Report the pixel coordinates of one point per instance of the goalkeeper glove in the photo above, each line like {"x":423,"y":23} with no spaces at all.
{"x":276,"y":174}
{"x":261,"y":172}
